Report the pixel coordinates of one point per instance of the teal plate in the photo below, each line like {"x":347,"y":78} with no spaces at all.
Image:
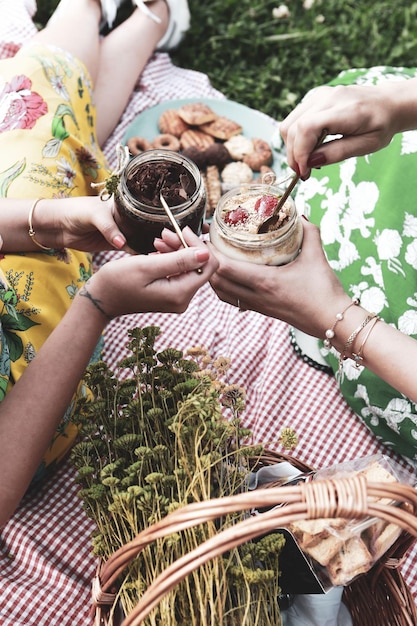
{"x":254,"y":123}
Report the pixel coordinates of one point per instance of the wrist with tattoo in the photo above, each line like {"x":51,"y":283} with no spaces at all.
{"x":86,"y":294}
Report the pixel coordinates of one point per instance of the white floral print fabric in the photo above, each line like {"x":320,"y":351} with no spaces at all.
{"x":366,"y":208}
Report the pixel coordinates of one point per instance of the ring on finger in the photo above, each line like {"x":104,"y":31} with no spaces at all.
{"x":239,"y":306}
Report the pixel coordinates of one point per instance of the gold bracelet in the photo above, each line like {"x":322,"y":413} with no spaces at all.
{"x":358,"y":356}
{"x":343,"y":354}
{"x":31,"y":231}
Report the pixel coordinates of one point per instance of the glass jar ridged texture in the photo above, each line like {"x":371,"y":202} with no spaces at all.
{"x":138,"y":209}
{"x":233,"y":230}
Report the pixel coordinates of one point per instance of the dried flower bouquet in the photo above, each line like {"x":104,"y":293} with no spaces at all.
{"x":162,"y":432}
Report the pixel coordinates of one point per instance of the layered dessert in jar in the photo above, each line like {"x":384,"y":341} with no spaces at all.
{"x":138,"y":209}
{"x":240,"y":213}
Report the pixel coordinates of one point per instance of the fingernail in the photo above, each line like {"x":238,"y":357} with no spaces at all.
{"x":119,"y":241}
{"x":317,"y":159}
{"x":201,"y":255}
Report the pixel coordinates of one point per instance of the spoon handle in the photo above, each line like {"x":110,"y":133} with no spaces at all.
{"x":264,"y":227}
{"x":176,"y":226}
{"x":286,"y":193}
{"x":296,"y":178}
{"x":172,"y":220}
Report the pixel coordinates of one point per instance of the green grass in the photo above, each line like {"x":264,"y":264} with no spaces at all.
{"x":269,"y":64}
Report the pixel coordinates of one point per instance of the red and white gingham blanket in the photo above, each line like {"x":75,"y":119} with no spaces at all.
{"x":46,"y":562}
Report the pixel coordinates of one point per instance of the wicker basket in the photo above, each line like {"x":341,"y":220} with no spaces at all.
{"x":378,"y":598}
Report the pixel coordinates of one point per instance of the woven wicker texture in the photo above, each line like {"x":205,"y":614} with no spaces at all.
{"x":377,"y":598}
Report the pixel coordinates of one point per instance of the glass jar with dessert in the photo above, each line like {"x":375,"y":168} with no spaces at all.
{"x":138,"y":209}
{"x":238,"y":215}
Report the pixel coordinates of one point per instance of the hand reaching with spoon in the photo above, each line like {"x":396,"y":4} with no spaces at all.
{"x":271,"y":222}
{"x":361,"y":118}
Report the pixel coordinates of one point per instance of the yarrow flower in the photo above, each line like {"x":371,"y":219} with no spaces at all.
{"x":222,"y":364}
{"x":196,"y":351}
{"x":234,"y":397}
{"x":288,"y":438}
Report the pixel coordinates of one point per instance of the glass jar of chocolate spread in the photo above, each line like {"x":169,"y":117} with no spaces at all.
{"x":138,"y":209}
{"x":238,"y":215}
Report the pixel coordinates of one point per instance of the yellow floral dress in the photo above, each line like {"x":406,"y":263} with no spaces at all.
{"x":48,"y":148}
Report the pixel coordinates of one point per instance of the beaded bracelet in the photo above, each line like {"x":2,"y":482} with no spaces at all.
{"x":31,"y":231}
{"x":330,"y":332}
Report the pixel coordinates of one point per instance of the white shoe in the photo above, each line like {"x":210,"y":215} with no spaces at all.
{"x":179,"y":21}
{"x":109,"y":11}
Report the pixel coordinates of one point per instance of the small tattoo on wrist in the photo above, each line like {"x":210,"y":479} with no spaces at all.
{"x":86,"y":294}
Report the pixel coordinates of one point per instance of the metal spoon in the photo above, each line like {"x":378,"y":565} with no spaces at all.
{"x":271,"y":221}
{"x":175,"y":226}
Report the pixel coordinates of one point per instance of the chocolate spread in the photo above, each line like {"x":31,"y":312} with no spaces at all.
{"x":173,"y":180}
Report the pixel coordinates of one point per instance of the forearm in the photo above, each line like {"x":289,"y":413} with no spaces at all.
{"x":391,"y":355}
{"x":48,"y":221}
{"x":401,"y":97}
{"x":387,"y":352}
{"x":32,"y":410}
{"x":34,"y":407}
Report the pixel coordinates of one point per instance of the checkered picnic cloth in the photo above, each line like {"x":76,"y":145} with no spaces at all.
{"x":45,"y":555}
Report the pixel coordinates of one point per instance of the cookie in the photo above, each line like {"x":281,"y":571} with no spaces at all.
{"x":193,"y":137}
{"x":217,"y":154}
{"x":166,"y":142}
{"x":222,"y":128}
{"x":213,"y":188}
{"x":261,"y":155}
{"x":196,"y":113}
{"x":196,"y":155}
{"x":239,"y":146}
{"x":325,"y":550}
{"x":351,"y":560}
{"x":136,"y":145}
{"x":236,"y":173}
{"x":385,"y":540}
{"x":311,"y":531}
{"x":171,"y":123}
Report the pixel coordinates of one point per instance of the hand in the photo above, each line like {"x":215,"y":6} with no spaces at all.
{"x":364,"y":116}
{"x":155,"y":282}
{"x":168,"y":242}
{"x":305,"y":293}
{"x":85,"y":223}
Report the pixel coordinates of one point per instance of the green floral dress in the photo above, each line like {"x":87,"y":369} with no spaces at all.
{"x":48,"y":148}
{"x":367,"y":212}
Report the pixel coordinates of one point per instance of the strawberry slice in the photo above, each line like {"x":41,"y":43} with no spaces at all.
{"x":236,"y":216}
{"x":265,"y":206}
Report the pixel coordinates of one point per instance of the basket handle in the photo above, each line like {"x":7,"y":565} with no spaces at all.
{"x":349,"y":497}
